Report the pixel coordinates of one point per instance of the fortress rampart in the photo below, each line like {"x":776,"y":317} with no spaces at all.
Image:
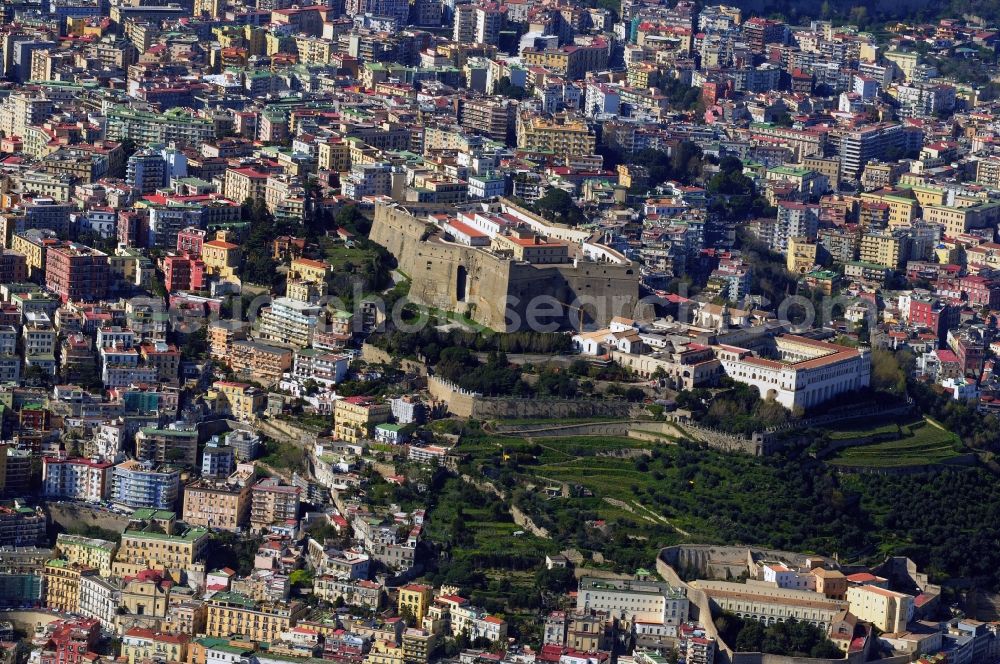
{"x":498,"y":292}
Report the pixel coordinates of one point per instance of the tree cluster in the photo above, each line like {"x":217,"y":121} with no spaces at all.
{"x":495,"y":377}
{"x":737,"y":410}
{"x":429,"y":342}
{"x":791,"y":638}
{"x":558,"y":206}
{"x":733,"y":195}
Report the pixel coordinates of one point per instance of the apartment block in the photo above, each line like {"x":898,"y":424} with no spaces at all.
{"x":240,"y":400}
{"x":87,"y":552}
{"x":76,"y":273}
{"x":138,"y":484}
{"x":62,"y":584}
{"x":354,"y":418}
{"x":155,"y":539}
{"x":218,"y":504}
{"x":635,"y":600}
{"x":76,"y":478}
{"x":888,"y":610}
{"x":231,"y":614}
{"x":273,"y":502}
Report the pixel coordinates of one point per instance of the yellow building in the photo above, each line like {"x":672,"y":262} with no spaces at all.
{"x":801,"y":255}
{"x":828,"y":166}
{"x":157,"y":542}
{"x":185,"y":617}
{"x":264,"y":362}
{"x":902,"y":211}
{"x":334,"y":155}
{"x":241,"y":400}
{"x":642,"y":74}
{"x":277,"y":43}
{"x":565,"y":137}
{"x":33,"y":247}
{"x":84,"y":26}
{"x":140,"y":644}
{"x":221,"y":259}
{"x":878,"y":174}
{"x":959,"y":220}
{"x":947,"y":254}
{"x":309,"y":269}
{"x":233,"y":615}
{"x":354,"y":418}
{"x":904,"y":60}
{"x":222,"y":334}
{"x":88,"y":552}
{"x":256,"y":39}
{"x":385,"y":652}
{"x":885,"y":249}
{"x":886,"y":609}
{"x":530,"y":248}
{"x":572,"y":61}
{"x":62,"y":584}
{"x":313,"y":50}
{"x":927,"y":195}
{"x":146,"y":594}
{"x":415,"y":598}
{"x":244,"y":183}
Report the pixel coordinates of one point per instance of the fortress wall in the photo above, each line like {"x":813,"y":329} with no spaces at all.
{"x":545,"y":227}
{"x":465,"y":404}
{"x":434,"y":267}
{"x":702,"y":610}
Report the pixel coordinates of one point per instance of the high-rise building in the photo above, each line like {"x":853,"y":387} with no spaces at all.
{"x":218,"y":504}
{"x":464,"y":24}
{"x":140,"y":484}
{"x":146,"y":171}
{"x":760,"y":32}
{"x":289,"y":322}
{"x":878,"y":141}
{"x":79,"y":479}
{"x":489,"y":21}
{"x":76,"y":272}
{"x":395,"y":9}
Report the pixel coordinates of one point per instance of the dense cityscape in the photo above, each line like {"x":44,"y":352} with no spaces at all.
{"x":481,"y":332}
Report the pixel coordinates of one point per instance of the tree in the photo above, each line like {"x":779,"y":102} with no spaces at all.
{"x":684,"y":163}
{"x":557,"y":205}
{"x":259,"y":266}
{"x":634,"y":394}
{"x":556,"y":580}
{"x":887,"y":374}
{"x":37,"y":376}
{"x":301,"y":578}
{"x":859,"y":16}
{"x":227,"y":549}
{"x":504,"y":88}
{"x":196,"y":344}
{"x":681,"y":96}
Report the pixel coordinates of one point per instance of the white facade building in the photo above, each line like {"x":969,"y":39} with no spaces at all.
{"x":99,"y":598}
{"x":796,"y":371}
{"x":650,"y":602}
{"x":79,"y":479}
{"x":784,"y":577}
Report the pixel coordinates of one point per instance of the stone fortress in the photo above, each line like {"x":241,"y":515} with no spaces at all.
{"x":496,"y":263}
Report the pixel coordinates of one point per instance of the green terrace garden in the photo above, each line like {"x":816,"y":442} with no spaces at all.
{"x":920,"y":443}
{"x":625,"y":499}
